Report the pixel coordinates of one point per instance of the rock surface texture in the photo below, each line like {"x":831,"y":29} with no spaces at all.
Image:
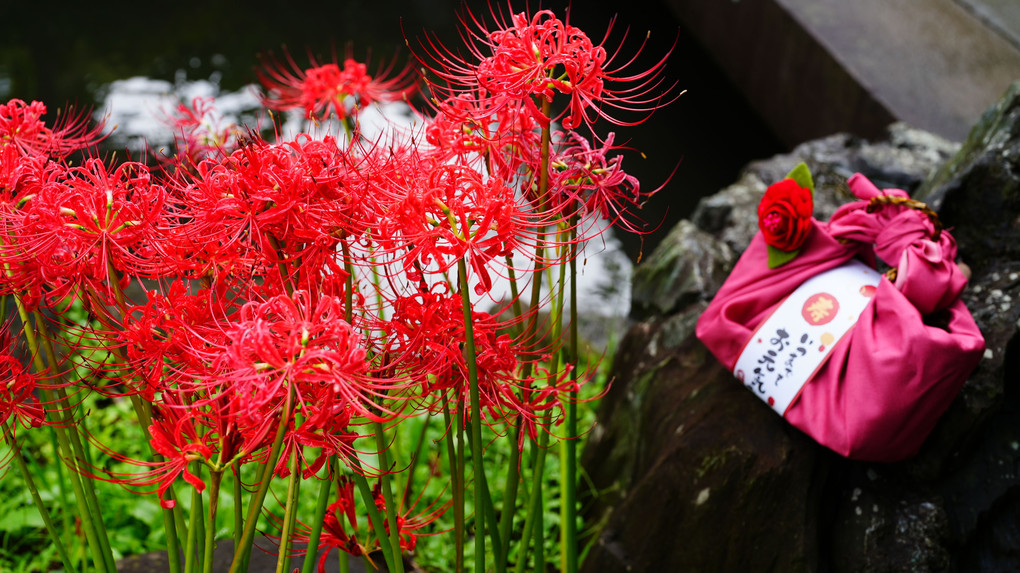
{"x":694,"y":473}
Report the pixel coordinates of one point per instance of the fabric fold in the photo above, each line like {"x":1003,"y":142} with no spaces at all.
{"x":889,"y":379}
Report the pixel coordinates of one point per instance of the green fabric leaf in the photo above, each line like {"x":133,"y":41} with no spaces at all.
{"x":778,"y":258}
{"x":802,"y":175}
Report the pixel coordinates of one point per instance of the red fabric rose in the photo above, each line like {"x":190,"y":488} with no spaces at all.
{"x":784,"y":215}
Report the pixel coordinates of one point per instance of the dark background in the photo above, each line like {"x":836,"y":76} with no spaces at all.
{"x":67,"y":55}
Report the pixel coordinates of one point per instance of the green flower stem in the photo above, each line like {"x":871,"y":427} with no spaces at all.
{"x":543,"y":206}
{"x":534,"y":511}
{"x":538,"y":534}
{"x":515,"y":295}
{"x":476,"y":416}
{"x":568,"y":445}
{"x":238,"y":506}
{"x":457,"y":475}
{"x":489,"y":515}
{"x":86,"y":516}
{"x":290,"y":513}
{"x":391,"y":508}
{"x":65,"y":505}
{"x":173,"y":518}
{"x":510,"y":493}
{"x":64,"y":448}
{"x":80,"y":455}
{"x":349,"y":127}
{"x":539,"y":447}
{"x":37,"y":499}
{"x":193,"y":552}
{"x":373,"y":516}
{"x":113,"y":280}
{"x":349,"y":282}
{"x":413,"y":465}
{"x":281,"y":265}
{"x":242,"y":550}
{"x":173,"y":546}
{"x":543,"y":176}
{"x":322,"y":502}
{"x":210,"y":531}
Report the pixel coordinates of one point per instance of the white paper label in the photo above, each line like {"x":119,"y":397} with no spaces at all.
{"x":792,"y":344}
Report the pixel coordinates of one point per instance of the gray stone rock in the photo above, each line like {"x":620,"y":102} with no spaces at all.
{"x":903,"y":161}
{"x":690,"y":487}
{"x":731,"y":214}
{"x":693,"y":460}
{"x":882,"y":527}
{"x":688,"y":266}
{"x":978,"y":191}
{"x":978,"y":196}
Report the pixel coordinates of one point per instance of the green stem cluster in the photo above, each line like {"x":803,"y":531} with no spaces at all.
{"x":500,"y":532}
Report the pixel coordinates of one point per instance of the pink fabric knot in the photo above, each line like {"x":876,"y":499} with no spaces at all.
{"x":886,"y":383}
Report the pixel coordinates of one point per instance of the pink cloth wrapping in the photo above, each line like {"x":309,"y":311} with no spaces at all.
{"x":883,"y":388}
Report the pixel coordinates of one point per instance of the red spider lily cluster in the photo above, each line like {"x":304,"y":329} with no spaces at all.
{"x":263,"y":303}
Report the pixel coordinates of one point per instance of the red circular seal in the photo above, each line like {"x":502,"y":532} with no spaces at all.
{"x":820,"y":309}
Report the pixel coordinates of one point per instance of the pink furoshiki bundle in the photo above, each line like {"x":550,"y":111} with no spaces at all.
{"x":862,"y":364}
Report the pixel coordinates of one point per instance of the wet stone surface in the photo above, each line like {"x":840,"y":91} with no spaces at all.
{"x":702,"y":476}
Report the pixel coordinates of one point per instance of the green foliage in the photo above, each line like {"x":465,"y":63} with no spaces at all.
{"x":779,"y":257}
{"x":802,"y":175}
{"x":134,"y":519}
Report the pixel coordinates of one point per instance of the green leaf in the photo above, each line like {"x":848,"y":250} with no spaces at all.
{"x":778,"y":257}
{"x":802,"y":175}
{"x":21,"y":518}
{"x":145,"y":509}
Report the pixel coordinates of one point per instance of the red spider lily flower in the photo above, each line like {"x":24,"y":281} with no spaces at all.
{"x":426,"y":336}
{"x":219,"y":206}
{"x":524,"y":59}
{"x":116,"y":214}
{"x":199,"y":132}
{"x":22,"y":126}
{"x":439,"y":214}
{"x":295,"y":341}
{"x":19,"y":172}
{"x":266,"y":203}
{"x":469,"y":128}
{"x":176,"y":439}
{"x":334,"y":533}
{"x":90,"y":221}
{"x":22,"y":179}
{"x":594,"y":181}
{"x":17,"y":387}
{"x":17,"y":394}
{"x":165,"y":340}
{"x":327,"y":88}
{"x":340,"y":527}
{"x":408,"y":525}
{"x":177,"y":436}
